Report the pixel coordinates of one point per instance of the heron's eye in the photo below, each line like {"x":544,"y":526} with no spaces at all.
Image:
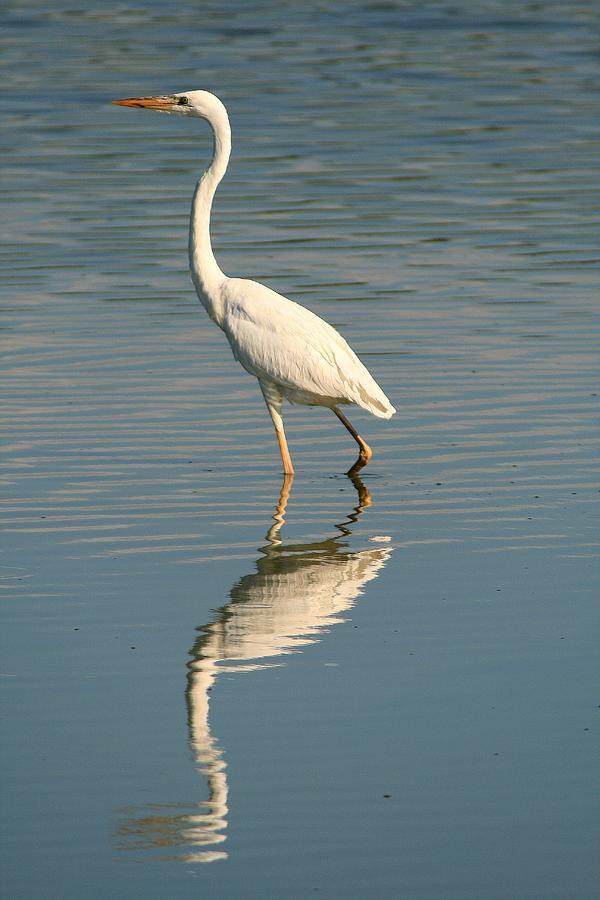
{"x":182,"y":101}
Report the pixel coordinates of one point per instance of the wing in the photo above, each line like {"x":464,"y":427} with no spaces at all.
{"x":277,"y":339}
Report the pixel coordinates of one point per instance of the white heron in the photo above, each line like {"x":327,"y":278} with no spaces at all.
{"x":294,"y":354}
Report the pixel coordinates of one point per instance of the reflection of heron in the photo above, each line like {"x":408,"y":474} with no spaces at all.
{"x":296,"y":592}
{"x":294,"y":354}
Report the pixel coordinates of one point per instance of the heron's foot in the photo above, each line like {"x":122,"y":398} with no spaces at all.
{"x":363,"y":458}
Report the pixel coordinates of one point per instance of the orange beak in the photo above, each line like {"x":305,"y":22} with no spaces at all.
{"x":163,"y":103}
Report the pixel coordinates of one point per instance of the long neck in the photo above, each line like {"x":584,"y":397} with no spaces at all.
{"x":206,"y":274}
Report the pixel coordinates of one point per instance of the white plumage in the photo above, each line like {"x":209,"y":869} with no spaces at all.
{"x":294,"y":354}
{"x":317,"y":368}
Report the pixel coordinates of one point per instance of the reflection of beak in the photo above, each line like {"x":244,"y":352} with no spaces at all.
{"x":162,"y":103}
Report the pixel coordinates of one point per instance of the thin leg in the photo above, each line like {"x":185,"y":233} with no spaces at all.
{"x":273,"y":400}
{"x":286,"y":459}
{"x":365,"y":452}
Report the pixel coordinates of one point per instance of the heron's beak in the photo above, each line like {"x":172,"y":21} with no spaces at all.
{"x":165,"y":104}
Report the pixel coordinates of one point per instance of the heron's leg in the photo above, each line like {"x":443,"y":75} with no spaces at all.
{"x":286,"y":459}
{"x":273,"y":399}
{"x":365,"y":453}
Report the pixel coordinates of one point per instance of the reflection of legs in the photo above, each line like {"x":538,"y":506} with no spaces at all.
{"x":364,"y":497}
{"x":284,"y":496}
{"x":273,"y":399}
{"x":365,"y":452}
{"x":279,"y":516}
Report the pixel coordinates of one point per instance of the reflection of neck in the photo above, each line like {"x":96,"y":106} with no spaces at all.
{"x":206,"y":829}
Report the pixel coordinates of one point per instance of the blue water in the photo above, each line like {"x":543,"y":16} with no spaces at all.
{"x":215,"y":684}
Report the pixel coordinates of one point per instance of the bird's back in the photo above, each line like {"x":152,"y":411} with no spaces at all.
{"x":284,"y":343}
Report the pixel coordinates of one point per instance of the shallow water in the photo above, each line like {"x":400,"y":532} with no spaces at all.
{"x":384,"y":687}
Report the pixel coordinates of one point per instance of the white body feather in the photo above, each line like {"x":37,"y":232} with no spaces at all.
{"x":285,"y":344}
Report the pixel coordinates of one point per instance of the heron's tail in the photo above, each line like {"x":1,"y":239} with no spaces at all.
{"x":379,"y":409}
{"x":374,"y":400}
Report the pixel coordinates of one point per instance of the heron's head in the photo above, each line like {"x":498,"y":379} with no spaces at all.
{"x":201,"y":104}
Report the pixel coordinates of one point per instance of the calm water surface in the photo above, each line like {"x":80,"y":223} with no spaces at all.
{"x":218,"y":685}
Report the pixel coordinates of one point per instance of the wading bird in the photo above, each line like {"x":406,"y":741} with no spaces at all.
{"x":294,"y":354}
